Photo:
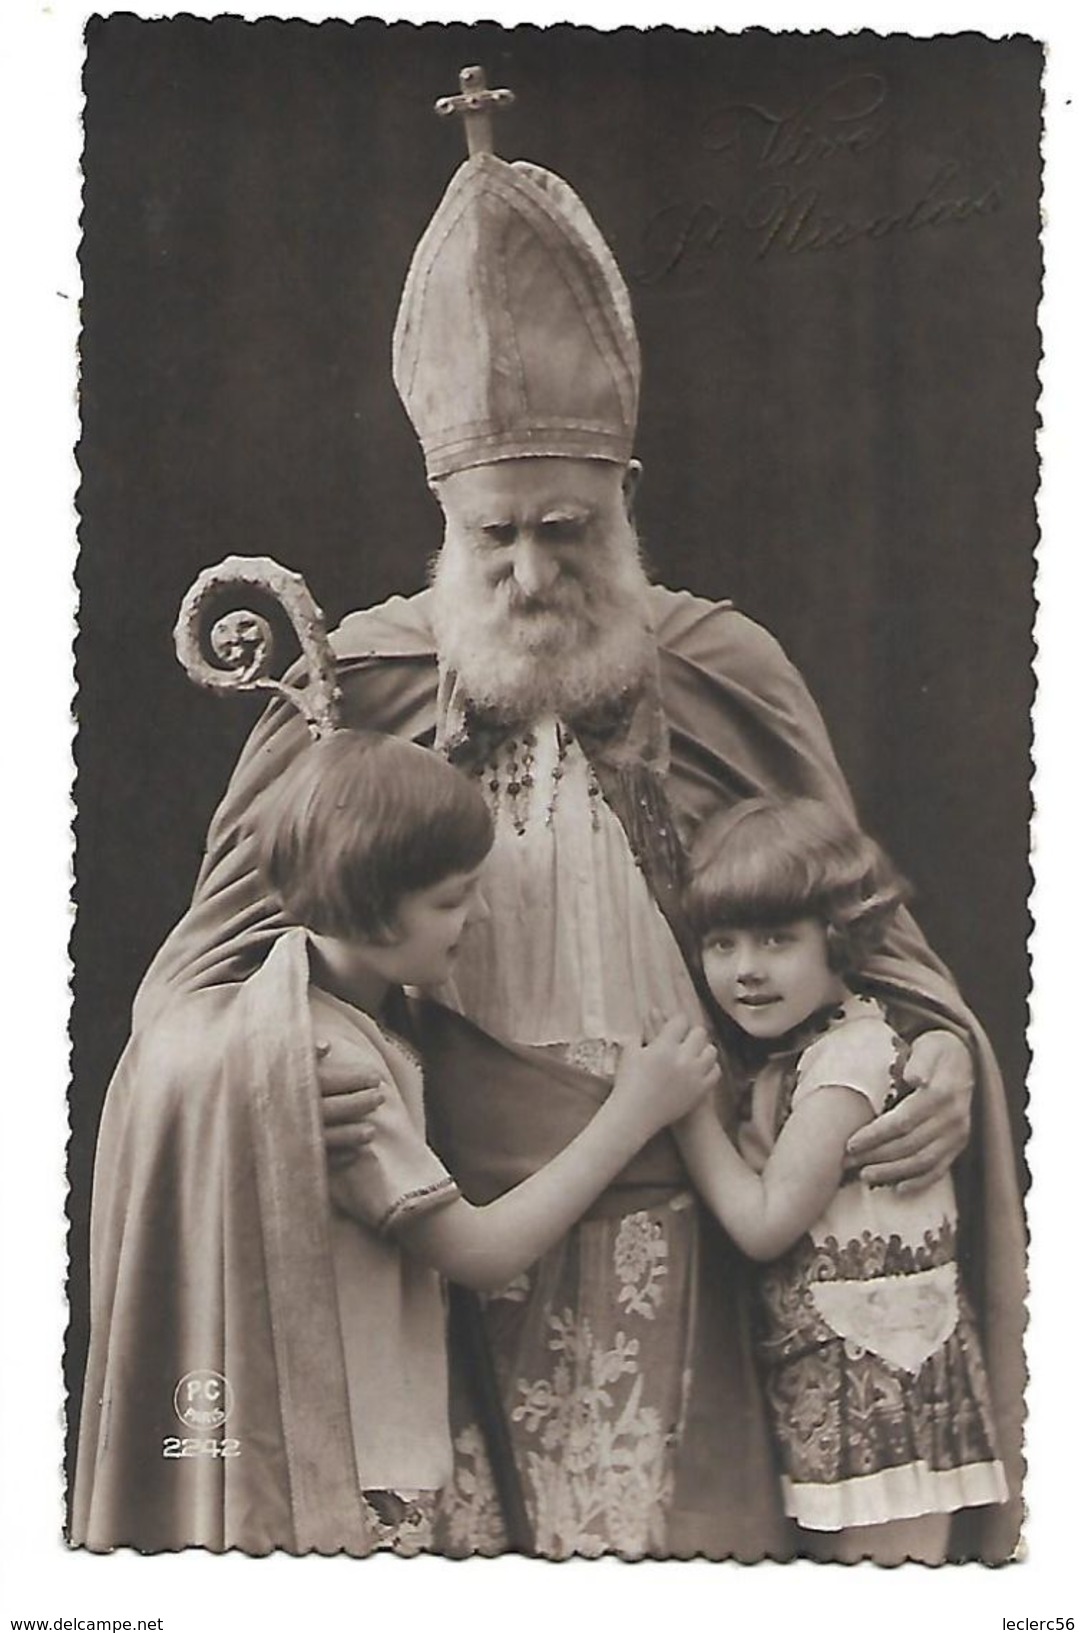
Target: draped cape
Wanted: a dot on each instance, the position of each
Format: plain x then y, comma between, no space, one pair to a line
183,1240
210,1252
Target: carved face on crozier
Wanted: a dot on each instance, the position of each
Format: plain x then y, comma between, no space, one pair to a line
540,597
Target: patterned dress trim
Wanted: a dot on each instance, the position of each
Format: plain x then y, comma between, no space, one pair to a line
421,1200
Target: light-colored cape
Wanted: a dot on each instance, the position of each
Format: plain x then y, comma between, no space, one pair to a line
211,1252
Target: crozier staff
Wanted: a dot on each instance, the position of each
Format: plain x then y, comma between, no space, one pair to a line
603,717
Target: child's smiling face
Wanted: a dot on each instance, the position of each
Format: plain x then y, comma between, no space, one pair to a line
769,978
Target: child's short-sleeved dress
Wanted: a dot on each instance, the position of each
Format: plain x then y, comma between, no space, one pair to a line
391,1305
868,1348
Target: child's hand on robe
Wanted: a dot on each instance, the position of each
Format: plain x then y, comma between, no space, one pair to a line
666,1077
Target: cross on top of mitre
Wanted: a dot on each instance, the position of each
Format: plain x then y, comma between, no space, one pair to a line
475,105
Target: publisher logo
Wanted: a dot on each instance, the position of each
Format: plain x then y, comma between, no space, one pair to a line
203,1399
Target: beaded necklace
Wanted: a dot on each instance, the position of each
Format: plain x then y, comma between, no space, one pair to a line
509,776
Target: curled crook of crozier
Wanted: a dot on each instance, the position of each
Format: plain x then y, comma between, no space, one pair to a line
242,643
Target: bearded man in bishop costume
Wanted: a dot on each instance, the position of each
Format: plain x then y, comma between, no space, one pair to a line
605,718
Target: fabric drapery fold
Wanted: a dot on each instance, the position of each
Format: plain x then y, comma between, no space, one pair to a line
211,1253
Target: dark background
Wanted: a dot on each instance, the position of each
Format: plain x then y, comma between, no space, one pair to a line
835,289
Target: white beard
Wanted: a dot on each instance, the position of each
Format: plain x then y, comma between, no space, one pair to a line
562,660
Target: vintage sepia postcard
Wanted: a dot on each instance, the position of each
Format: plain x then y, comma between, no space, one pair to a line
557,541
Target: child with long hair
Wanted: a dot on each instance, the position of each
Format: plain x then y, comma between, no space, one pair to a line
374,847
868,1350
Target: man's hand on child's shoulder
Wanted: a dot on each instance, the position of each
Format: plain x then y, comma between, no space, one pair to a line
350,1095
917,1142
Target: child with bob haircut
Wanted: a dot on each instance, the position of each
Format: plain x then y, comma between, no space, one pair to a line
867,1347
375,848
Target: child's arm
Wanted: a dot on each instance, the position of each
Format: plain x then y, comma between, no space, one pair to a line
485,1247
765,1213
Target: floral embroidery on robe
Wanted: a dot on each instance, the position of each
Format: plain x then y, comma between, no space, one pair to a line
594,1370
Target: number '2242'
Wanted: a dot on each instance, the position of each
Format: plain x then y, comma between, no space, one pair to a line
173,1446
